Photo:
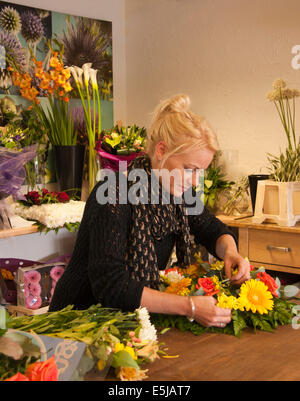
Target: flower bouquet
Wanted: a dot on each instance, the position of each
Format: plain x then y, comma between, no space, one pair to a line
121,340
120,144
50,210
21,358
259,303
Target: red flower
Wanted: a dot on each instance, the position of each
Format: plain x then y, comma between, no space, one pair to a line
269,282
43,371
45,191
18,377
208,286
63,197
33,197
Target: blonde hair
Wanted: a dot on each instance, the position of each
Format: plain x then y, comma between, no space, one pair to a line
179,128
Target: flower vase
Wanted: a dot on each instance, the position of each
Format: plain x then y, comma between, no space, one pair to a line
69,168
35,169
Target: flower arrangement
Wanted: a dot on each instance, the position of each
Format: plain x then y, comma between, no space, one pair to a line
50,210
121,140
38,371
21,128
120,143
260,302
20,356
286,166
124,340
55,85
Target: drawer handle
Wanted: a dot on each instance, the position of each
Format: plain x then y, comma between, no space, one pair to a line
278,248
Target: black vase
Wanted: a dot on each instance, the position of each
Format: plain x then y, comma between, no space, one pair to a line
253,178
69,168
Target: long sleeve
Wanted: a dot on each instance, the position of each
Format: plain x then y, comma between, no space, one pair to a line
110,281
206,229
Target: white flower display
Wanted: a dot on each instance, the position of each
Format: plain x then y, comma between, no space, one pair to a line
52,215
148,331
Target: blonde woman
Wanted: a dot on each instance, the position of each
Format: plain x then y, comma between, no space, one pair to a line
121,246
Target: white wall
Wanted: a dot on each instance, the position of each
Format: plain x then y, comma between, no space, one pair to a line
108,10
225,54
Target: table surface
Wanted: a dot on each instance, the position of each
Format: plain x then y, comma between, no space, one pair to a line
261,356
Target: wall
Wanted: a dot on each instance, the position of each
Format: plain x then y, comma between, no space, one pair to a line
109,10
225,54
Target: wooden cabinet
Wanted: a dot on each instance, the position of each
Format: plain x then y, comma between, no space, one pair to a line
269,245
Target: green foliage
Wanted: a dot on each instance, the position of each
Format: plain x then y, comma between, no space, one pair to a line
123,140
280,315
214,184
286,166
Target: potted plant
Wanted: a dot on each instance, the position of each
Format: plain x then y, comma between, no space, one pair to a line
214,184
120,143
278,199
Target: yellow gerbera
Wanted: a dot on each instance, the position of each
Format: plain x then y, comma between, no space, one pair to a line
228,301
179,288
255,295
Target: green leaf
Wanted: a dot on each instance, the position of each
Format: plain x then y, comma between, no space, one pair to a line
123,358
239,323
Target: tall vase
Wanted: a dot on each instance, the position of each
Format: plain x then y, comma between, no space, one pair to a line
69,168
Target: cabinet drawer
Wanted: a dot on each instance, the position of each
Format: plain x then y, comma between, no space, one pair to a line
274,247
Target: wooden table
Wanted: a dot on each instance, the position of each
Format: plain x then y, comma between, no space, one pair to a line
261,356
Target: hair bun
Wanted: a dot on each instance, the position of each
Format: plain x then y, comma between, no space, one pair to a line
176,104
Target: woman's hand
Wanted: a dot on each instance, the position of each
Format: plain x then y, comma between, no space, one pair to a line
234,260
207,313
226,249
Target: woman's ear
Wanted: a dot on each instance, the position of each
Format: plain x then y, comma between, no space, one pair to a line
160,150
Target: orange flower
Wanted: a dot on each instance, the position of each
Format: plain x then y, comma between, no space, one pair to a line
208,286
66,99
44,84
67,87
39,73
18,377
66,73
43,371
269,282
54,75
55,63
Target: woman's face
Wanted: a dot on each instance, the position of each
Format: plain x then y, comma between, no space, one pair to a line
182,171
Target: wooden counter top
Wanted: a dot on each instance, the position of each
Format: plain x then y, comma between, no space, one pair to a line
235,221
18,231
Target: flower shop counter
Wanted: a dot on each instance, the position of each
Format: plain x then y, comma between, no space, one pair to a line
261,356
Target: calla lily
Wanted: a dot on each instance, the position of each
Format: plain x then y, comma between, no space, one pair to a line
93,77
86,72
79,72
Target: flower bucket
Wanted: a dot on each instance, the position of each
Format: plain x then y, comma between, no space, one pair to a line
111,161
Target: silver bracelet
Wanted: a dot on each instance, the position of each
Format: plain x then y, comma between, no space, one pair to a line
192,318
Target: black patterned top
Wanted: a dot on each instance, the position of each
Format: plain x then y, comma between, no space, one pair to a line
120,249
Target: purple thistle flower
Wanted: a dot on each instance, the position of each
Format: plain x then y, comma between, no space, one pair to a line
32,27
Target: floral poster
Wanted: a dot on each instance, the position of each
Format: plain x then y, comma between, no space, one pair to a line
28,34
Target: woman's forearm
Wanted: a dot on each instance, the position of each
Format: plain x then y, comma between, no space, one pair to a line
161,302
224,244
